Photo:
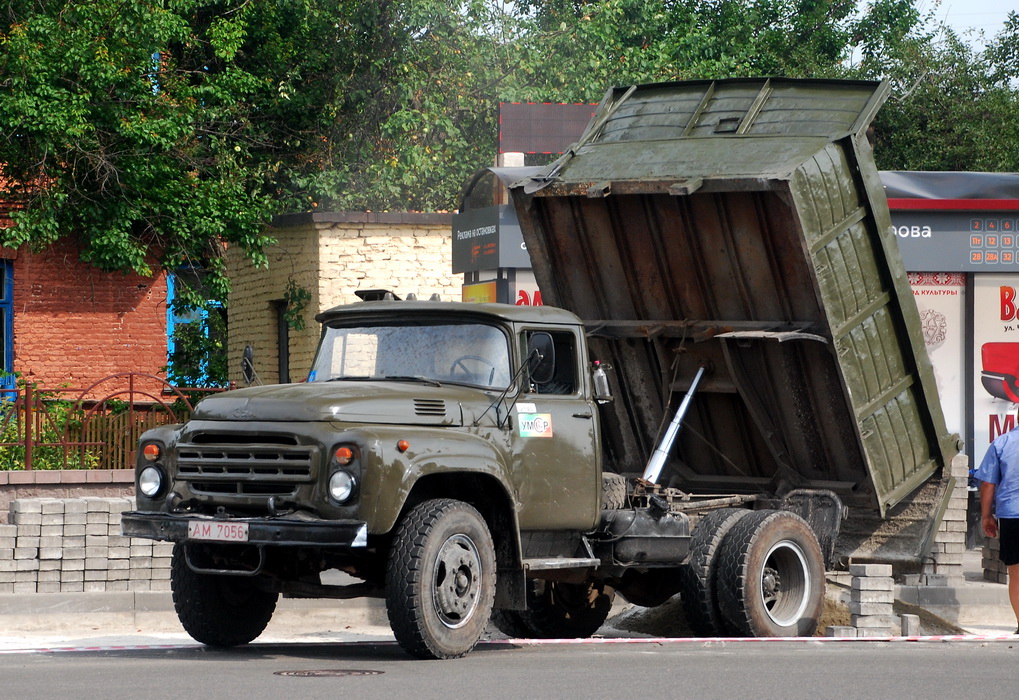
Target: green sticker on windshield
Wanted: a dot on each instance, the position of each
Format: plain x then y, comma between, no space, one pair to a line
535,424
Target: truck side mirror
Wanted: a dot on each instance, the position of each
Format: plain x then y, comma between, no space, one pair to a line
540,358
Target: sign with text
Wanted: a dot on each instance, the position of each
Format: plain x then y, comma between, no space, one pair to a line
972,241
487,239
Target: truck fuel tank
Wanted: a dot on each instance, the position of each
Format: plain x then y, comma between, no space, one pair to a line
644,536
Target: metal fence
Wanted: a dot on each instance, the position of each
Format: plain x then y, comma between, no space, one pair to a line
92,428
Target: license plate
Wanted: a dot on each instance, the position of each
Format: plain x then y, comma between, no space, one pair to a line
217,531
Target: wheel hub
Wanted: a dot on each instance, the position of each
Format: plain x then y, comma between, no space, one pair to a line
457,580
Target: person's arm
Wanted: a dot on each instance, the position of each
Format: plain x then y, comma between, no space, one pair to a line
987,519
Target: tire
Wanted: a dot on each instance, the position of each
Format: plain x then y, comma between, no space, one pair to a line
568,610
771,576
698,578
440,579
219,610
512,623
557,610
613,491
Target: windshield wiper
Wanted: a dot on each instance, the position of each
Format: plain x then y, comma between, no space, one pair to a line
412,377
387,378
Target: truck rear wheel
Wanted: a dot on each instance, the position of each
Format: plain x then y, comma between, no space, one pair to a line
698,578
440,579
771,576
216,609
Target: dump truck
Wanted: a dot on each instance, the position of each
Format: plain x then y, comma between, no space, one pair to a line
726,395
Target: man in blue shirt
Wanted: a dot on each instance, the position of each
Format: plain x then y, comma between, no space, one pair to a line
999,504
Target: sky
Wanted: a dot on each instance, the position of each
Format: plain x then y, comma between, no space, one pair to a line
962,15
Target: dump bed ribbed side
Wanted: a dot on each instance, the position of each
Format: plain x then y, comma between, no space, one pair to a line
741,225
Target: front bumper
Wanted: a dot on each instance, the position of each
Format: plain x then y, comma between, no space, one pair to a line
281,531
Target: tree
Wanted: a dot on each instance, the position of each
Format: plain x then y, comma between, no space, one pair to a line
952,108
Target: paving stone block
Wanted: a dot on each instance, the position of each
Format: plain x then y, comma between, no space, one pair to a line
27,543
48,576
75,519
26,564
7,564
97,541
74,553
26,518
74,505
72,564
119,553
116,586
25,576
52,520
858,608
50,506
139,585
26,553
74,530
50,553
859,596
874,631
72,576
910,625
48,587
49,564
870,621
7,577
7,587
25,587
870,570
873,583
72,587
95,575
95,586
29,530
97,529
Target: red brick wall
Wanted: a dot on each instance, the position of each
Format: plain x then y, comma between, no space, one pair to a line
74,324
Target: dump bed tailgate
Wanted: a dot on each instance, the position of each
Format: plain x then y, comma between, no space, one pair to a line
741,225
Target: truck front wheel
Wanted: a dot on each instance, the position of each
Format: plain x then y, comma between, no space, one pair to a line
219,610
771,576
440,579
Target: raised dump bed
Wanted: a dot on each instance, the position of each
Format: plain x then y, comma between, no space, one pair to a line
741,225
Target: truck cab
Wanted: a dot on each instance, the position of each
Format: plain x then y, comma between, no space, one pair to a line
486,406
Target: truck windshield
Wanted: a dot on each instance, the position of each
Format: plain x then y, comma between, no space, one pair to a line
473,354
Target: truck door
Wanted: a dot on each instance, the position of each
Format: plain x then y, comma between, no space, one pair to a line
557,460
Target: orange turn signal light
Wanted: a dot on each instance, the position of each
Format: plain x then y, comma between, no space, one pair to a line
151,452
403,445
344,456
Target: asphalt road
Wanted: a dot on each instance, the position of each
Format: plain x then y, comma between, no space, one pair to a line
624,669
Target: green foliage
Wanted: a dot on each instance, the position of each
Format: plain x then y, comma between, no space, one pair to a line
297,298
61,420
952,108
156,132
199,357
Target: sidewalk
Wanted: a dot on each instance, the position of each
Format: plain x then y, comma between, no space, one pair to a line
51,620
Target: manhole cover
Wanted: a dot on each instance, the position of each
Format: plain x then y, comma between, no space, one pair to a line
327,672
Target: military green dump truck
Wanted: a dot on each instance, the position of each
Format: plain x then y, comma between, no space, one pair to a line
732,398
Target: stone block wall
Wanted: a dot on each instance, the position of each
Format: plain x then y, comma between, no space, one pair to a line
950,539
54,545
331,255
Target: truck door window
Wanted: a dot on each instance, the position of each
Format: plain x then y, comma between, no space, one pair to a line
564,375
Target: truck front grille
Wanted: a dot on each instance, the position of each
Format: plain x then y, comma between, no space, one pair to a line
228,467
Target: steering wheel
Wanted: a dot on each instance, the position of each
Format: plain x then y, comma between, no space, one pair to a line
460,365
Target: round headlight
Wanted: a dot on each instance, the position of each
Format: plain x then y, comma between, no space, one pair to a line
150,481
341,486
